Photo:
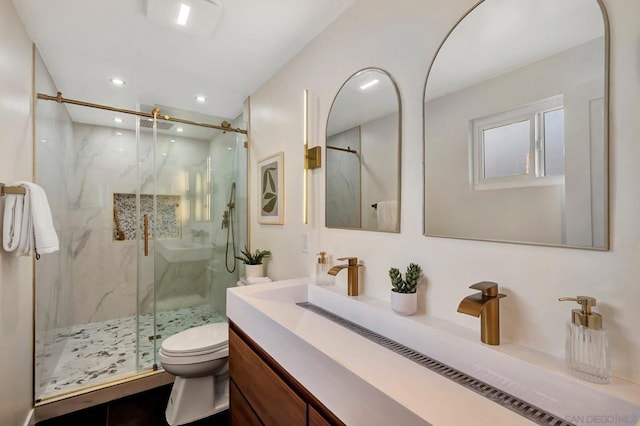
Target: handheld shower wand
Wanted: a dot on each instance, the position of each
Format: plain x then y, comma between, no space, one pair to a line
227,222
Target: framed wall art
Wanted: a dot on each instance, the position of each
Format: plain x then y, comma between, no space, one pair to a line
271,189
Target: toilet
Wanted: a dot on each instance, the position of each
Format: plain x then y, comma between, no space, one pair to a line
199,358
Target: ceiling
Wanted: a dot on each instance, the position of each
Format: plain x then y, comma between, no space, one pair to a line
86,43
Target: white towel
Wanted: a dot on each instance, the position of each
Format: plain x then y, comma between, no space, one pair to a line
387,213
35,227
26,243
12,221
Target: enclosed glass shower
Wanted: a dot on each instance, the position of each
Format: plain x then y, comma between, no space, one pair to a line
148,213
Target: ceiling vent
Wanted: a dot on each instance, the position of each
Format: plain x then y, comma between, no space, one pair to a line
162,125
200,19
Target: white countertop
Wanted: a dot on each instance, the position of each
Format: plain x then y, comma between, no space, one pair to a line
364,383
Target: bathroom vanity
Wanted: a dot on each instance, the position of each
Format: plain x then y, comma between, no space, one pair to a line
259,384
288,360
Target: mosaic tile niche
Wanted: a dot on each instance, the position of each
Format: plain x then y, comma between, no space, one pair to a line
168,207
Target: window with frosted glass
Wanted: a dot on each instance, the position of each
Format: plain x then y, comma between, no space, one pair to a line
520,147
506,149
553,123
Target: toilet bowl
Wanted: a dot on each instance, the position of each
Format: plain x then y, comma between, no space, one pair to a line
199,358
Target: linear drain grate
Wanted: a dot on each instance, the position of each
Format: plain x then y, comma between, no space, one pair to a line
507,400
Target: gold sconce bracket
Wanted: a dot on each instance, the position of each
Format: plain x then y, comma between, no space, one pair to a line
314,157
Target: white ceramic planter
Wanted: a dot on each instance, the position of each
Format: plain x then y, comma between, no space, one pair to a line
253,271
404,303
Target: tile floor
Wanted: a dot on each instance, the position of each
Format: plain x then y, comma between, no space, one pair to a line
143,409
103,351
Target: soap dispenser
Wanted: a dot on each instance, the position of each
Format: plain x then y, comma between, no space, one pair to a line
586,346
322,270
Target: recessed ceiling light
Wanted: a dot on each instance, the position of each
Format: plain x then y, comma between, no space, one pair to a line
229,148
201,98
172,140
184,14
179,130
118,120
117,81
118,133
164,154
43,140
369,84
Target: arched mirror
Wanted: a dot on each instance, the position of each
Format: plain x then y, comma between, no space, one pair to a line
363,154
516,126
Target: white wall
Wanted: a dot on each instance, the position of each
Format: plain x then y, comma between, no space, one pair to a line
402,37
16,151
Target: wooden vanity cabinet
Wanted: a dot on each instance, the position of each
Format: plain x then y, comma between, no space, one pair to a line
264,393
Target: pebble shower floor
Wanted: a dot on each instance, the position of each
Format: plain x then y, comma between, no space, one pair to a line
103,351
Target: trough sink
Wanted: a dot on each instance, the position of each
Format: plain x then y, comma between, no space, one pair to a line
365,383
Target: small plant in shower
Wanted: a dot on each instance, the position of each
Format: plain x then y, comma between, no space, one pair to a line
404,296
253,258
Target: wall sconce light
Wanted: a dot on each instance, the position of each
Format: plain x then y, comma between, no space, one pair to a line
312,158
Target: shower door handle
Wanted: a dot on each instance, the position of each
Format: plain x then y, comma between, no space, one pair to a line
146,235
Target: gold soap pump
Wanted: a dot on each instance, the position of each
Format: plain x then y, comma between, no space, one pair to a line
586,345
322,270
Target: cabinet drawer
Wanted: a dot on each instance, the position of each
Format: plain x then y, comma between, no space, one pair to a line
269,396
241,412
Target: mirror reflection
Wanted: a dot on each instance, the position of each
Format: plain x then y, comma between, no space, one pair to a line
363,154
516,126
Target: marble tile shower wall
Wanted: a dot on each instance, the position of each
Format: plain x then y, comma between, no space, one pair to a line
103,272
177,166
107,166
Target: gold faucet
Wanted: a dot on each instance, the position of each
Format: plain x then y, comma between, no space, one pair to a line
486,305
352,278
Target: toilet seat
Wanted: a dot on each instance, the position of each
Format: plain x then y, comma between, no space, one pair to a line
197,341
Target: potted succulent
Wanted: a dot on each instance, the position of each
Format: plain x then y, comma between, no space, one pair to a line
404,298
253,261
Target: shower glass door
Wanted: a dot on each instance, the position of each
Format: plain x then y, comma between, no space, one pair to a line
145,214
198,188
86,307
